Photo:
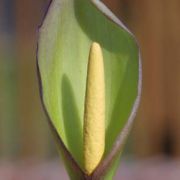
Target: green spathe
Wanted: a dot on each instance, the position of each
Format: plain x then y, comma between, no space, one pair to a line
66,35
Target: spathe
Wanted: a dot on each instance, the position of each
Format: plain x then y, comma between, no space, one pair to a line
66,34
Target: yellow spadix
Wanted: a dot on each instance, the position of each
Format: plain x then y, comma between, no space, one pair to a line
94,113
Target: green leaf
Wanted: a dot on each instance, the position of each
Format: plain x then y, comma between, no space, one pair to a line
66,34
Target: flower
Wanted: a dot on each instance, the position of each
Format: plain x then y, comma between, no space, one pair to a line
65,38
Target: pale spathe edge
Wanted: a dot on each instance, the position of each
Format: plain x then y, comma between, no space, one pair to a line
109,14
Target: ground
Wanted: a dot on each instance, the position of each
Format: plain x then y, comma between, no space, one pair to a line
154,169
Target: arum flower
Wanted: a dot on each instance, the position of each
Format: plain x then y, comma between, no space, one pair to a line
90,81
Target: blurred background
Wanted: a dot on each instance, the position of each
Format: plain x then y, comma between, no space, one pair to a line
24,134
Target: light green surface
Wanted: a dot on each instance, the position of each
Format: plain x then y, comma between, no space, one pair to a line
65,38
